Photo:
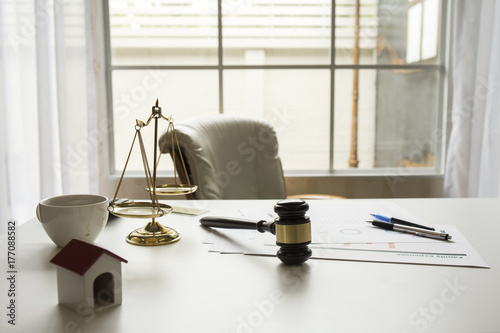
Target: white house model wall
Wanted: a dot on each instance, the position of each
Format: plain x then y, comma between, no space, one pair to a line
88,277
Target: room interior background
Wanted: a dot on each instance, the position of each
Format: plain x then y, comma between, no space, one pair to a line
53,123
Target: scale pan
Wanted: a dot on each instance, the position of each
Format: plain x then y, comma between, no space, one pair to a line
139,209
175,189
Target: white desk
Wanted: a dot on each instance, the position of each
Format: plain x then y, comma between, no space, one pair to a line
183,288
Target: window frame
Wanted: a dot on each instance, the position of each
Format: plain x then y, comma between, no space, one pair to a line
114,171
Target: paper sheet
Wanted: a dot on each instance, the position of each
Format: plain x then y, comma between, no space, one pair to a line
339,231
188,211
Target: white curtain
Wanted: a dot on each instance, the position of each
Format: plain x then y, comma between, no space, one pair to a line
47,101
473,159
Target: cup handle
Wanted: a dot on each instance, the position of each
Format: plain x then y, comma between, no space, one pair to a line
38,212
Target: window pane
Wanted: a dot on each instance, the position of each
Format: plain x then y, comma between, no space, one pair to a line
282,32
344,115
345,27
390,31
397,118
430,29
295,102
414,33
181,93
163,32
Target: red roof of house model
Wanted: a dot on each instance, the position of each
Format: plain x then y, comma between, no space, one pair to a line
78,256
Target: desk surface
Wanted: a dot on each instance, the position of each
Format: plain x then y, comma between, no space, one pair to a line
182,287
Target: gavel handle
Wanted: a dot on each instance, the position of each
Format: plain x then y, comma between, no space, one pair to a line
237,223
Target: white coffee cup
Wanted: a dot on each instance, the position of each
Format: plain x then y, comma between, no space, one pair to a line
80,216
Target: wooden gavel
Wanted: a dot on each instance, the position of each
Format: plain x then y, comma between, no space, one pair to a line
292,229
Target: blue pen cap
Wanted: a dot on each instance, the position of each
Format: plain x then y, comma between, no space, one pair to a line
381,217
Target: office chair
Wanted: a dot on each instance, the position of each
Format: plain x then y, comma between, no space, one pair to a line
229,157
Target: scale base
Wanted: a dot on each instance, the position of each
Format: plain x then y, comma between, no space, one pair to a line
153,234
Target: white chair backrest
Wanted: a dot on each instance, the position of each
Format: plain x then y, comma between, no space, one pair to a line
231,157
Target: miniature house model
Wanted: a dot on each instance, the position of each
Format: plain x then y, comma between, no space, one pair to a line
88,277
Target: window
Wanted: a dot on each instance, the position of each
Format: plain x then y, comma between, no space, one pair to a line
343,82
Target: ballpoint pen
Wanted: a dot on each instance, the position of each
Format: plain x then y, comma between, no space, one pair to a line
395,220
411,230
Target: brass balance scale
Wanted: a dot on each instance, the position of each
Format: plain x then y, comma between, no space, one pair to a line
153,233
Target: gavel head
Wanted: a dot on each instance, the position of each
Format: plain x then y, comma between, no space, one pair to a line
293,231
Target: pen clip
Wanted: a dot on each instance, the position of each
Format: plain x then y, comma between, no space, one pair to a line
411,224
395,220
